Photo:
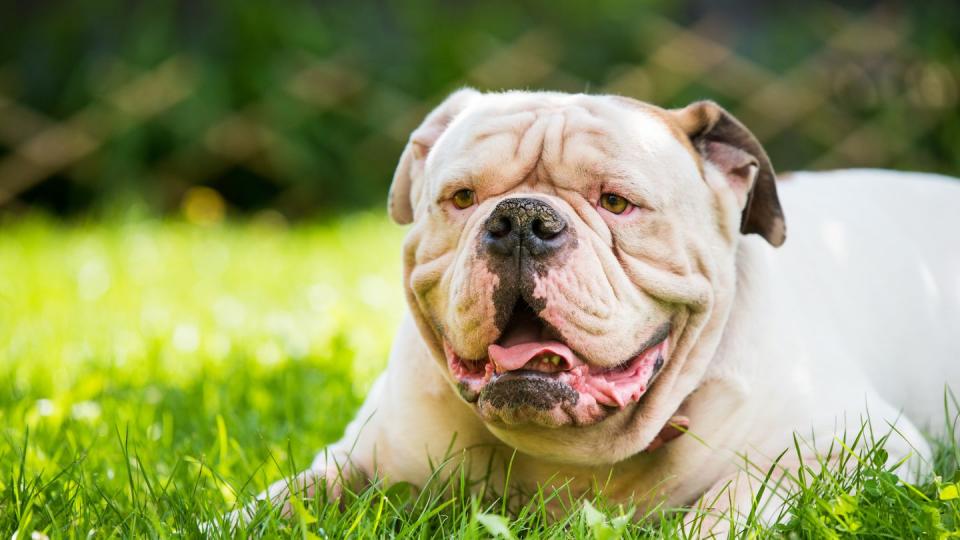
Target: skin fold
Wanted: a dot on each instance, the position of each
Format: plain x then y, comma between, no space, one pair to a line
759,342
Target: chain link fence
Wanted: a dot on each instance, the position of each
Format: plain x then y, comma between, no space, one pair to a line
310,119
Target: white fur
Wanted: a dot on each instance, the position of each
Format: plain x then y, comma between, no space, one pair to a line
857,314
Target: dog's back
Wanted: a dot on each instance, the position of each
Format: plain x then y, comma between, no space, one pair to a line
873,261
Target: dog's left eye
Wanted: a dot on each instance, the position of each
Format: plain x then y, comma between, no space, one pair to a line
611,202
465,198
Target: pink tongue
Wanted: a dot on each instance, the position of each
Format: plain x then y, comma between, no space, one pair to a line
516,356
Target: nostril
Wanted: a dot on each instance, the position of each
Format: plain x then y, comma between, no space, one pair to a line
547,229
498,228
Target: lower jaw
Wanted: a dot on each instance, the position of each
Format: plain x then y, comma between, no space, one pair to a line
533,398
578,414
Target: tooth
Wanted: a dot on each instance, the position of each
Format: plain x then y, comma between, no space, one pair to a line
555,359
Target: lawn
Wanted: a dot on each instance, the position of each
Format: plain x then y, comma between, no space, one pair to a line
155,373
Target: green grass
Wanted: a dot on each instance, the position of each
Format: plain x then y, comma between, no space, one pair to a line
155,374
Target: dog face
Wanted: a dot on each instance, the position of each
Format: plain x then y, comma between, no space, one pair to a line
571,259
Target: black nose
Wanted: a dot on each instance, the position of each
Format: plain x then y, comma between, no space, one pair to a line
528,223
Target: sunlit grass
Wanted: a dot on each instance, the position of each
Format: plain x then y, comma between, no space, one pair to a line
209,351
155,374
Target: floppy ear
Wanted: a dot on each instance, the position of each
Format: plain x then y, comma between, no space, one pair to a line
723,141
404,192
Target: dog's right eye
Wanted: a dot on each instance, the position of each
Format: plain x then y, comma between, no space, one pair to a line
465,198
613,203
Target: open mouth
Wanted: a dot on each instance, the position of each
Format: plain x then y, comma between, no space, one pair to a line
528,347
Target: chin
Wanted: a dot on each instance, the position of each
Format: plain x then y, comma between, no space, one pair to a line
530,376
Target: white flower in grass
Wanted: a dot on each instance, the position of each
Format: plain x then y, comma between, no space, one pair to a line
321,297
218,346
269,354
297,344
93,280
85,410
152,395
374,291
35,535
45,407
154,318
229,312
186,338
155,431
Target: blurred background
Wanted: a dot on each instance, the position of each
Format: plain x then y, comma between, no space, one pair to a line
293,110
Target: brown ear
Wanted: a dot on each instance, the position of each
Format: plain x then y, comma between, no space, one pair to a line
404,192
723,141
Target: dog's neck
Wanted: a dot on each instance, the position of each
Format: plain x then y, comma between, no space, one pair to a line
673,429
736,360
750,315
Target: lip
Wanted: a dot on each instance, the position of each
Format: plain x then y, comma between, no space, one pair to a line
612,387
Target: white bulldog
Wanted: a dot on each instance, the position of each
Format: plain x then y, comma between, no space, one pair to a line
589,277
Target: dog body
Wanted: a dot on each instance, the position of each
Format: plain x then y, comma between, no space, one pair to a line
871,282
581,294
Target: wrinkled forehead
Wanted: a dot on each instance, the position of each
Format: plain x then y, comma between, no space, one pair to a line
506,138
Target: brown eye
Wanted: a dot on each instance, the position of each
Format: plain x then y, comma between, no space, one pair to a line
614,203
464,198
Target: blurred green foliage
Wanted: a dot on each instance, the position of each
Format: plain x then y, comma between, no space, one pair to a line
303,107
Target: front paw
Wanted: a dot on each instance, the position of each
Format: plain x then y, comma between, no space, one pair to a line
286,496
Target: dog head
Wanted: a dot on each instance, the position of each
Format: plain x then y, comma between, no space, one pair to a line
572,258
